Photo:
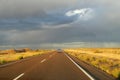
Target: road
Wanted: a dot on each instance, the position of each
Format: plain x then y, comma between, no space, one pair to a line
52,66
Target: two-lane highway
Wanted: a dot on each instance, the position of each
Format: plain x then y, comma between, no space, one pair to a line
51,66
9,72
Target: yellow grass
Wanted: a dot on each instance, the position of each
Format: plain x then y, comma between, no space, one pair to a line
104,52
17,56
106,59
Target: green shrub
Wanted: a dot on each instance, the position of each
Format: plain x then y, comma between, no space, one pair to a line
119,76
97,51
20,57
95,63
104,60
116,73
2,61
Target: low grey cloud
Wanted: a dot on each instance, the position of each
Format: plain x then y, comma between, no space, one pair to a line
35,22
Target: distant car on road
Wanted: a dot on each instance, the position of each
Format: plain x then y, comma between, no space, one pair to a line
59,50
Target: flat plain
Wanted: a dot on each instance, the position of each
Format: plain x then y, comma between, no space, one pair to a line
106,59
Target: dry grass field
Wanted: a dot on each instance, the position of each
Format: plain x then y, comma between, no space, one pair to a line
13,55
106,59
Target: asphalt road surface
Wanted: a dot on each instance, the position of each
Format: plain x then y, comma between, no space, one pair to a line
52,66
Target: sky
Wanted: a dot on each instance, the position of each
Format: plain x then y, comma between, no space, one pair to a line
59,23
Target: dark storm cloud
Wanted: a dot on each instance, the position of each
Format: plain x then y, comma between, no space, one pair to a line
35,22
26,8
39,22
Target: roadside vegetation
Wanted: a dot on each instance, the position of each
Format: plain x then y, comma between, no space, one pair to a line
13,55
106,59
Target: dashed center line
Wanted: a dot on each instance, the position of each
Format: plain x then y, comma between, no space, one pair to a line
43,60
18,76
51,55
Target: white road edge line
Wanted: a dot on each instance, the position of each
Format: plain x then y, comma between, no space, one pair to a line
81,68
18,76
43,60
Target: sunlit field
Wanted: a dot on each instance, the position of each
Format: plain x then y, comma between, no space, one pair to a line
106,59
13,55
